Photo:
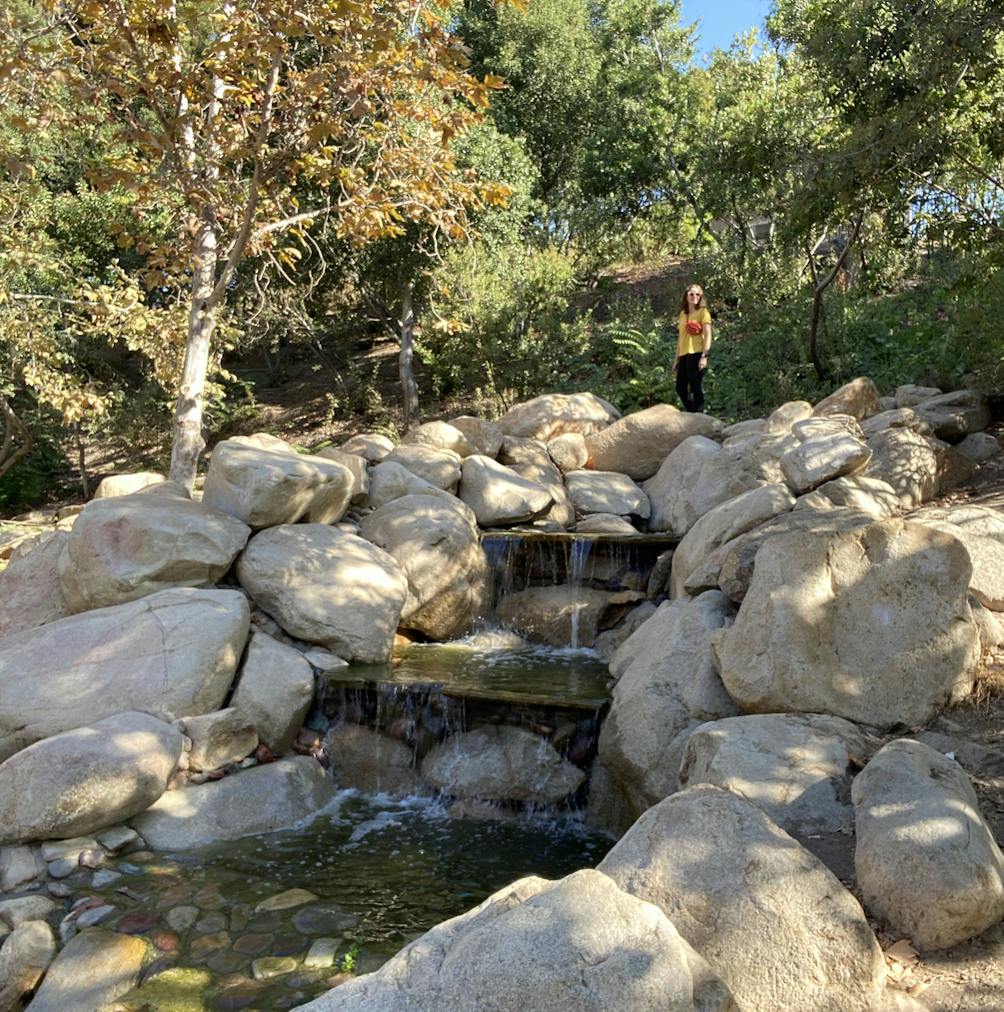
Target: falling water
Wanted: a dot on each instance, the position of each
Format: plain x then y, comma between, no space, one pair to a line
578,554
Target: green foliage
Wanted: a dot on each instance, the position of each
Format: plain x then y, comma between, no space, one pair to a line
350,957
38,475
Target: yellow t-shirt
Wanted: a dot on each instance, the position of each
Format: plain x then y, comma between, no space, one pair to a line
688,343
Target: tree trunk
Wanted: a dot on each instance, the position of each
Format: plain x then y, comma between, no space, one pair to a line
13,427
188,442
406,361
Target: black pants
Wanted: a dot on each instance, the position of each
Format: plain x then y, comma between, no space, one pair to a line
688,382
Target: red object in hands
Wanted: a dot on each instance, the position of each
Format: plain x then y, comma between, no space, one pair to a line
693,327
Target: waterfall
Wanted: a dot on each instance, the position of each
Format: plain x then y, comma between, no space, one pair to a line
578,554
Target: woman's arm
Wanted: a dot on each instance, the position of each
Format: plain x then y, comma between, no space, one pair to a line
706,347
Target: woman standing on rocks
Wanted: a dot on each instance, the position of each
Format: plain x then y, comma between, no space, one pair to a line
692,346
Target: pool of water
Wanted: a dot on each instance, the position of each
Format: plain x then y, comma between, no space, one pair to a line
382,871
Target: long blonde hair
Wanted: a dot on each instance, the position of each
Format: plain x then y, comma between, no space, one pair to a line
684,306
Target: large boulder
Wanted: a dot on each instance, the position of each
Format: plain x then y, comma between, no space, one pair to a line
981,531
700,475
390,480
126,484
796,768
358,468
725,522
175,651
31,593
568,452
925,860
438,466
83,780
275,691
873,625
637,444
25,956
371,446
441,436
265,482
563,615
552,415
606,492
529,458
370,761
909,462
859,398
324,586
823,458
262,799
909,395
897,418
782,418
498,495
667,682
953,415
95,967
436,543
484,436
225,736
501,763
871,496
126,547
576,945
771,919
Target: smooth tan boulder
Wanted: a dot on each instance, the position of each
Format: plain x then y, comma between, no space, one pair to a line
25,956
872,496
552,415
261,799
823,458
580,945
953,415
637,444
83,780
370,761
530,460
782,418
93,969
897,418
127,547
562,615
484,436
859,398
437,465
175,651
326,587
569,452
357,466
770,918
666,681
925,859
275,690
501,763
390,480
31,593
606,492
226,736
437,545
873,625
909,395
126,484
441,436
909,462
372,446
498,495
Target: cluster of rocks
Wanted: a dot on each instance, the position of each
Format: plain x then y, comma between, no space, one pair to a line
159,653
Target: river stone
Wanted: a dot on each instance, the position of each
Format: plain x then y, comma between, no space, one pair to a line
606,523
859,398
794,767
909,462
262,482
561,616
782,418
606,492
770,918
286,900
484,436
439,435
390,480
326,587
732,565
337,488
576,945
898,418
372,446
873,625
568,452
31,594
23,909
552,415
827,425
498,495
18,866
530,460
439,467
127,547
724,523
371,762
700,475
981,531
82,780
669,682
637,444
871,496
174,651
909,395
226,736
978,447
818,460
991,625
126,484
501,764
261,799
953,415
25,956
357,467
94,968
437,545
275,690
925,860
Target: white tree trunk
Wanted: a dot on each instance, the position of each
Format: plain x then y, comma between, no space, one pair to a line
188,441
406,361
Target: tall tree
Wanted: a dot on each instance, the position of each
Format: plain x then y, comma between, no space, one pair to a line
222,113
